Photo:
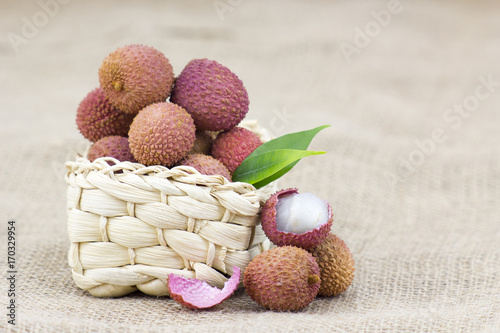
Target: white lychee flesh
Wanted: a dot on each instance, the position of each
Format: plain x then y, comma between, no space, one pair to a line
300,212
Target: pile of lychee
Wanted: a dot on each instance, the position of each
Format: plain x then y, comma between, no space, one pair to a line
142,113
308,261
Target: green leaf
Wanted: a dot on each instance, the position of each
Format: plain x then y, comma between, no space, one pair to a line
277,175
268,166
297,140
255,171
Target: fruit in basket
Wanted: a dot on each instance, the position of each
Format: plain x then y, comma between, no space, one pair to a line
196,294
336,265
161,134
111,146
206,165
202,143
213,95
284,278
300,219
135,76
233,146
97,118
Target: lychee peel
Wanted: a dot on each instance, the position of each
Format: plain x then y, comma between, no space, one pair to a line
135,76
213,95
284,278
196,294
306,240
97,118
161,134
111,146
233,146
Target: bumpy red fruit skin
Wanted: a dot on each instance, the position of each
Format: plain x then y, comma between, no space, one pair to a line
284,278
202,143
135,76
161,134
111,146
306,240
213,95
97,118
233,146
206,165
336,265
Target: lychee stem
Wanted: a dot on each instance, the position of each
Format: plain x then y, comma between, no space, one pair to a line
117,85
312,279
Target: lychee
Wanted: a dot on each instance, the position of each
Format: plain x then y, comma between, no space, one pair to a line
283,278
111,146
336,265
298,219
202,143
206,165
161,134
233,146
97,118
135,76
213,95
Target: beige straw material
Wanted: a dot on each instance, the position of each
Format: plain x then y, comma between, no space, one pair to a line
130,226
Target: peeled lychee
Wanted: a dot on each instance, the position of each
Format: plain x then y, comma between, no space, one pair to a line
291,218
96,118
196,294
213,95
161,134
336,264
135,76
111,146
233,146
206,165
283,278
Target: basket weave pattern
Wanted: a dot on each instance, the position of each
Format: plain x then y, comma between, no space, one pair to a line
130,226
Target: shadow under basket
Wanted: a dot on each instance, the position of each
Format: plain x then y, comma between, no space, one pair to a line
130,226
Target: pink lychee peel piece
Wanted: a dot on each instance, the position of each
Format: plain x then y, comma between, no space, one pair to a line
197,294
307,240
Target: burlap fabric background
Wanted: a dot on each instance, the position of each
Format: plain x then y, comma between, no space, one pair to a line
421,217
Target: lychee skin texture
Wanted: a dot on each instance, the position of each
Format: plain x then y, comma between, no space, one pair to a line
336,264
305,240
283,279
213,95
233,146
202,143
135,76
161,134
97,118
206,165
111,146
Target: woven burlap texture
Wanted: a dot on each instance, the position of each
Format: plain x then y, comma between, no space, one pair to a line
421,218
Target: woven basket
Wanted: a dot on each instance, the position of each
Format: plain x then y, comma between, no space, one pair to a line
130,226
